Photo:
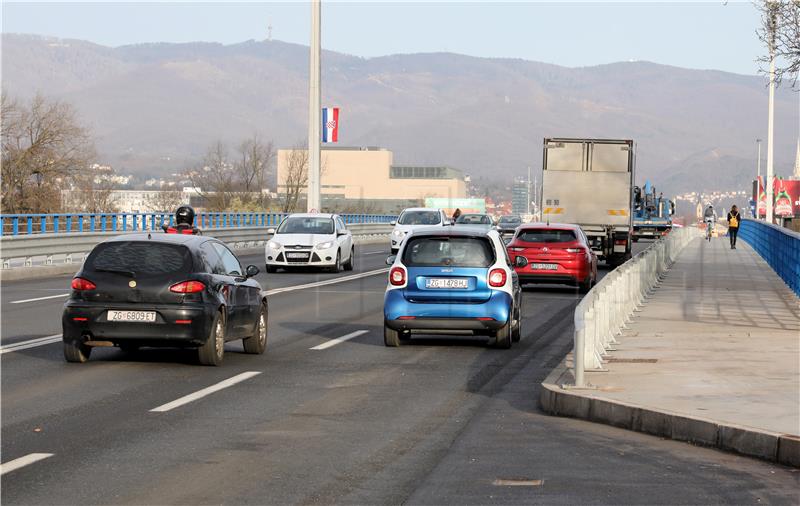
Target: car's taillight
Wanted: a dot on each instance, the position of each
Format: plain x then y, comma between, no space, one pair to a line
187,287
397,276
575,250
517,249
497,277
81,284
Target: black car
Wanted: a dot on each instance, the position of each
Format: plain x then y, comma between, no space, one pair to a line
508,224
164,290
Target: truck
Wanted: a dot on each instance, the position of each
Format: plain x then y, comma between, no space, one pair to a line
589,182
652,215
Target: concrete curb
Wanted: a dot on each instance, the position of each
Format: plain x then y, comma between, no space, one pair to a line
49,271
585,404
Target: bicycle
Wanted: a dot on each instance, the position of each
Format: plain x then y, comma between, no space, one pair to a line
709,229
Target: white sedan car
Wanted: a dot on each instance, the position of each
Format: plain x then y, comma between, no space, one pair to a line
310,240
414,218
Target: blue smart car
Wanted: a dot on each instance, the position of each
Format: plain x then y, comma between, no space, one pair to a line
453,281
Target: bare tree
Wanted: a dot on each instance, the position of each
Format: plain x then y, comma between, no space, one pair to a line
214,179
294,179
165,200
252,167
43,147
780,33
93,192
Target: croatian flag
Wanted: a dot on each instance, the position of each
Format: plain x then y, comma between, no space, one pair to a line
330,124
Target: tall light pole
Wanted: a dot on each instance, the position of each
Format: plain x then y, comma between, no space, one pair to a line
758,176
314,111
772,23
528,207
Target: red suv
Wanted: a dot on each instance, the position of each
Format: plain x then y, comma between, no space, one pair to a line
556,253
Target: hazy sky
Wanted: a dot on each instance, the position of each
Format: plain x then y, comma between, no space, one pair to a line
705,35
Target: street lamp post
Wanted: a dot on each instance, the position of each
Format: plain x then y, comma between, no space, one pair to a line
771,115
314,111
758,176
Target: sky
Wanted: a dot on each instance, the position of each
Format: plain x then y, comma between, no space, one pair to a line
702,35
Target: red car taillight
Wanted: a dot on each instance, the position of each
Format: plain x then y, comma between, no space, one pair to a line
497,278
575,250
187,287
81,284
397,276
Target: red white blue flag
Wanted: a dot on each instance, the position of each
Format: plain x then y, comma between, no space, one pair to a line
330,124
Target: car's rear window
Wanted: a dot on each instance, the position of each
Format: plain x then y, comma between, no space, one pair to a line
474,219
420,218
140,258
448,251
546,235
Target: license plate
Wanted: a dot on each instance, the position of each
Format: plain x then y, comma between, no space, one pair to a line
544,267
446,283
296,255
132,316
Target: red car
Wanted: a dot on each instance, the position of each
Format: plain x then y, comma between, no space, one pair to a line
556,252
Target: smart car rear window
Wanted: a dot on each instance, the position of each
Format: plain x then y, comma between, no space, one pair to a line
448,252
546,235
140,258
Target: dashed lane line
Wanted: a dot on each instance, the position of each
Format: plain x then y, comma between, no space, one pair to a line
39,298
334,342
29,459
186,399
31,343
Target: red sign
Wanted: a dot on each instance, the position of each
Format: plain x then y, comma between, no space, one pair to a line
787,198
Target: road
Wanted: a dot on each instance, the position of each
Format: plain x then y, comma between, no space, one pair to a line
440,421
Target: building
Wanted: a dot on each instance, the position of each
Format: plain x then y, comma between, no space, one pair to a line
134,201
368,175
520,196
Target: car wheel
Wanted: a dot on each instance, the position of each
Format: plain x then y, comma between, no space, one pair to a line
391,337
76,351
351,261
337,267
586,284
503,338
516,331
271,269
257,343
213,350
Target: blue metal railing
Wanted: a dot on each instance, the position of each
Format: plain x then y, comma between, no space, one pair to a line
780,248
30,224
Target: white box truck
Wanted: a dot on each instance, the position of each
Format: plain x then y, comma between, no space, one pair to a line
589,182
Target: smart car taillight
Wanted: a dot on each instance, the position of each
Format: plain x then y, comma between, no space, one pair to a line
497,278
81,284
397,276
187,287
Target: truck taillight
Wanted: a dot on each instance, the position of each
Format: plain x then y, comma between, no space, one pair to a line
620,242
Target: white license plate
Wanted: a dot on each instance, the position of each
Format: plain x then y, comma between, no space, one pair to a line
544,267
132,316
296,255
460,284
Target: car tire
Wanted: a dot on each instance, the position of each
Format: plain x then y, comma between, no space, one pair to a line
350,264
391,337
516,331
271,269
586,284
213,350
75,351
257,343
337,267
502,339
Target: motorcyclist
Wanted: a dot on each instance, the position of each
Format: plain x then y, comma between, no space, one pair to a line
184,222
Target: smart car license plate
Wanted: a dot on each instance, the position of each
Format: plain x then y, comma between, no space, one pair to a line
544,267
132,316
445,283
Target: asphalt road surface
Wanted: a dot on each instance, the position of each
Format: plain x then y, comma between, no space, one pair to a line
330,415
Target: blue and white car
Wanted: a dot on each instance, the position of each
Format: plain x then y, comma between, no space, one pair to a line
456,281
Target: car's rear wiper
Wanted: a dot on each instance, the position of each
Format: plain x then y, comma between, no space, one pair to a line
130,274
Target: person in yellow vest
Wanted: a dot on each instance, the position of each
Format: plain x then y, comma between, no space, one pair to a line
733,225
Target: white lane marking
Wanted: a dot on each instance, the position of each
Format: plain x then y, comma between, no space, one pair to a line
334,342
39,298
31,343
326,282
375,253
186,399
22,462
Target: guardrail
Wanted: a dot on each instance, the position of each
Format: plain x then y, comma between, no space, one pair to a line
609,305
30,224
780,247
48,246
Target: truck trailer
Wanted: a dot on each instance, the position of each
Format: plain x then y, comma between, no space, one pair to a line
589,182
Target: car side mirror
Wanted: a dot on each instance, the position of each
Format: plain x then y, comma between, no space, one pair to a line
393,222
271,231
341,233
390,259
251,271
520,261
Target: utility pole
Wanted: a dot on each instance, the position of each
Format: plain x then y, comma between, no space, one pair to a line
773,21
314,111
528,208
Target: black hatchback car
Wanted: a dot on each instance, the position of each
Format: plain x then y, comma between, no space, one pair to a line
164,290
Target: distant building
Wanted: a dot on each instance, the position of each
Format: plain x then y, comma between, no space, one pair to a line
520,195
367,175
136,201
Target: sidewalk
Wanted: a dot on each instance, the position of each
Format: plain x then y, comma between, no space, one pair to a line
713,357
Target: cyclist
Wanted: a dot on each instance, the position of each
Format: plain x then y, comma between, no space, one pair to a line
709,217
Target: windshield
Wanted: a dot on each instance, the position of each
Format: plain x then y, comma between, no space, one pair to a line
511,220
305,225
419,218
474,219
448,251
140,258
546,235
